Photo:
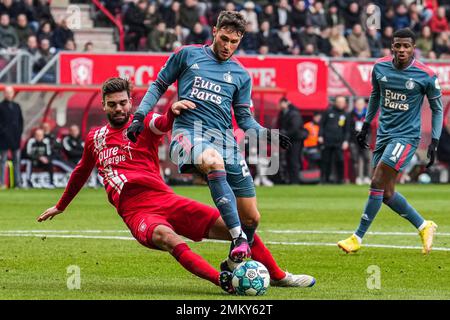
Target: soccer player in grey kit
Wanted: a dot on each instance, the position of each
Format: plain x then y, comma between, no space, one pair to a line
212,80
399,87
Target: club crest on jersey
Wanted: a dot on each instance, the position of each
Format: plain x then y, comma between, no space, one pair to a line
410,84
124,135
228,77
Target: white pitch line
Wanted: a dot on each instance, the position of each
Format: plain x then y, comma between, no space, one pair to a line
375,233
321,244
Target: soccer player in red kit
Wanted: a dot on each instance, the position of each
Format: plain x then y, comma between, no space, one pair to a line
155,215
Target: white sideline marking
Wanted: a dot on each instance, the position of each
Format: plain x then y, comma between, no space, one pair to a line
375,233
444,234
322,244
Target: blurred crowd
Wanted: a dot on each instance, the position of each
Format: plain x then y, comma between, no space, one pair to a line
336,28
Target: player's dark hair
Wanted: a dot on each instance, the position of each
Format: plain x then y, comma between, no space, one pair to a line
113,85
404,33
232,20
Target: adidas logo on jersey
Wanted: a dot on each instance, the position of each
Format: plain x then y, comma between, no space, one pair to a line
393,159
195,67
384,79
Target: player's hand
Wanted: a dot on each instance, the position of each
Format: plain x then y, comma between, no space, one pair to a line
136,127
432,149
361,136
181,105
284,140
49,214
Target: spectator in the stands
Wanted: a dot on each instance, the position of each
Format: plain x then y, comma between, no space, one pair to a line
11,8
324,46
307,36
386,37
62,34
42,11
152,17
333,17
54,142
198,35
160,39
268,15
8,34
286,39
339,43
401,19
351,16
269,38
189,14
250,16
375,45
70,45
38,150
134,21
317,16
73,145
442,45
299,16
88,47
250,42
438,22
171,15
425,42
45,32
22,29
11,129
282,12
358,43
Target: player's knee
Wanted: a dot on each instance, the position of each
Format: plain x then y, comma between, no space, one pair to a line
164,238
388,194
251,219
377,183
211,160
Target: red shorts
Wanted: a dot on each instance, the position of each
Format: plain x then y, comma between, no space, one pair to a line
143,210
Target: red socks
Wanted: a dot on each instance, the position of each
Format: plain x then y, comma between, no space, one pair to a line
195,264
262,254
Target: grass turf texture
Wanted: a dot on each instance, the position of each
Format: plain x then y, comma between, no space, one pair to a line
35,267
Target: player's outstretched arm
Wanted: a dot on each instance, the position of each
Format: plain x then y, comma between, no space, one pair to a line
168,75
49,214
246,121
161,124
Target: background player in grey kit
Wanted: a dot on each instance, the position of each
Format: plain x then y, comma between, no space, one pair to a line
210,78
399,86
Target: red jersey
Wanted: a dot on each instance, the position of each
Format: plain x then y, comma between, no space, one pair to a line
120,161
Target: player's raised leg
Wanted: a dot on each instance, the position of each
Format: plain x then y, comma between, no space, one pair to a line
166,239
211,163
261,253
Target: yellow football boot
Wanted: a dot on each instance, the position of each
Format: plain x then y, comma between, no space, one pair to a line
426,235
350,244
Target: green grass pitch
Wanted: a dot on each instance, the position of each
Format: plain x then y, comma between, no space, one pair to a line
300,225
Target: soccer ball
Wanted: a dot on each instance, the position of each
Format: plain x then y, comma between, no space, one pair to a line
424,178
250,278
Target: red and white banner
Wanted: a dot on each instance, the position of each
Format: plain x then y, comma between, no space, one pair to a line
305,80
358,74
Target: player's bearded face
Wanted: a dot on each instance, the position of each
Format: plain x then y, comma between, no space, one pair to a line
118,108
403,49
225,43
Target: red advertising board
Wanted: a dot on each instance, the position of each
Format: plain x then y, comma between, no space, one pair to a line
304,79
358,74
